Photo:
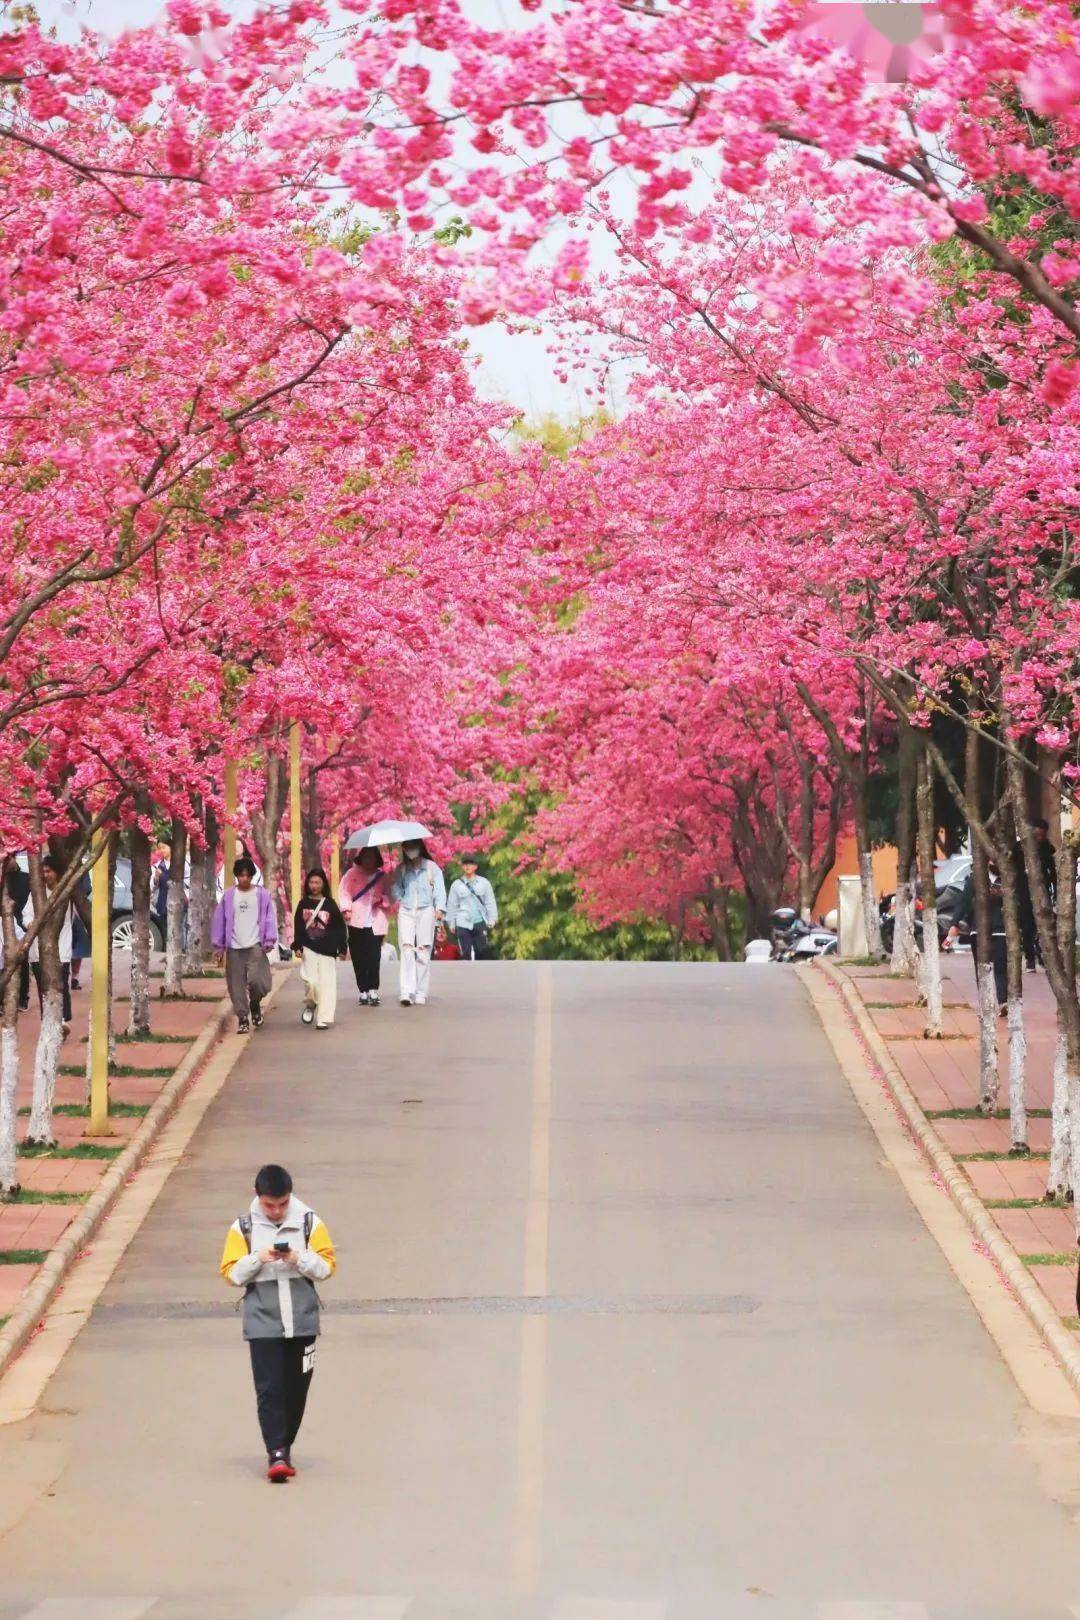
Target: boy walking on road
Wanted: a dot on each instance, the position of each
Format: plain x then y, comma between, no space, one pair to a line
471,911
276,1253
244,929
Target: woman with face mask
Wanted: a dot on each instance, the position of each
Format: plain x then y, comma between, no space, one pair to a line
420,893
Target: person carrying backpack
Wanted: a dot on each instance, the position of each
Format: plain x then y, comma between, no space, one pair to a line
276,1253
471,911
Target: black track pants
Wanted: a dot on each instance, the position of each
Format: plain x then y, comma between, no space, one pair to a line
282,1371
365,948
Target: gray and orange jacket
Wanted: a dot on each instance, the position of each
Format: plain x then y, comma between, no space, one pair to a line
279,1302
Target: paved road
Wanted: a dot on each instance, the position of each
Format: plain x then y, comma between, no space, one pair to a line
631,1324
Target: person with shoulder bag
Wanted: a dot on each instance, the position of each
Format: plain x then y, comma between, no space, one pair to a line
420,892
319,940
364,898
471,911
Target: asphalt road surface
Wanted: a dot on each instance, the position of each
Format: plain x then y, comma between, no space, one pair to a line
631,1323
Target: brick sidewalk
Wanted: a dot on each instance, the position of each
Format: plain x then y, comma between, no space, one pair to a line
57,1183
943,1075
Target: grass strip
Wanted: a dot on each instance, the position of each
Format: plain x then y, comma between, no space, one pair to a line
1054,1259
81,1110
78,1150
1006,1158
30,1195
23,1257
977,1113
150,1036
121,1071
1017,1203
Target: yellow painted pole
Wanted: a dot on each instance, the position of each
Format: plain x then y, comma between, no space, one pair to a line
335,863
295,817
100,946
229,836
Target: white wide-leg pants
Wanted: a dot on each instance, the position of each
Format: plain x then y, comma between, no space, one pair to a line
319,974
416,935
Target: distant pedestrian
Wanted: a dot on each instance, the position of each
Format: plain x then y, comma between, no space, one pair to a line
80,934
51,874
471,911
18,886
420,893
276,1253
244,929
319,940
364,898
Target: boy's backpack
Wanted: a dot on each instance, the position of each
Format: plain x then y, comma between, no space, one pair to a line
244,1223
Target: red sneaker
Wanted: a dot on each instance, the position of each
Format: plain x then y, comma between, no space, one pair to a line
279,1468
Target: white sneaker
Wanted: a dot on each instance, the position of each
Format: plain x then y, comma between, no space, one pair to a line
373,998
307,1015
364,998
421,1001
322,1026
406,1001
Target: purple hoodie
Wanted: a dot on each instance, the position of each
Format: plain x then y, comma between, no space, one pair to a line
221,931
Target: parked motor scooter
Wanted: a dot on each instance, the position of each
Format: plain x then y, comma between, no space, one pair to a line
796,940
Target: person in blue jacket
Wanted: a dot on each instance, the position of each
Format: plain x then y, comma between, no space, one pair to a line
471,911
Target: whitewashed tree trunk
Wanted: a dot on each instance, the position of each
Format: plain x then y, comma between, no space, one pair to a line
905,952
9,1059
1059,1175
46,1062
9,1079
1018,1141
871,914
930,973
173,982
200,909
989,1081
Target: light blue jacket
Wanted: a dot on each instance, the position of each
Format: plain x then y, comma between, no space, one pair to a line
419,887
471,902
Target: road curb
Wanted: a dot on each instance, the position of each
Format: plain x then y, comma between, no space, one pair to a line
1040,1312
27,1317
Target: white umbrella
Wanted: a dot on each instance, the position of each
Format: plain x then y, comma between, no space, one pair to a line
387,832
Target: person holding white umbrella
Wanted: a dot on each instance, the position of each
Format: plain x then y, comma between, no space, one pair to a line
420,893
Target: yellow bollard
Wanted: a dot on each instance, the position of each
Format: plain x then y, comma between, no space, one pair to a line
100,947
229,835
296,832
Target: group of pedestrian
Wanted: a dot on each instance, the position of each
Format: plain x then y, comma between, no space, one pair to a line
352,926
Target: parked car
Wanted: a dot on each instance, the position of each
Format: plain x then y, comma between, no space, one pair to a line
123,924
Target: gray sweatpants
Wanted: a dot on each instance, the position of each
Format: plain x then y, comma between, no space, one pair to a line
247,976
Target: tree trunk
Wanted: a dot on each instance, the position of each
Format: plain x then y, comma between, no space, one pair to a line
1014,1002
720,920
311,854
1059,1183
871,914
51,1036
905,951
927,838
265,827
139,1012
1060,964
173,983
1059,1172
201,902
9,1057
989,1079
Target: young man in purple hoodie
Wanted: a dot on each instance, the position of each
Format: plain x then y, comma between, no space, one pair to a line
245,928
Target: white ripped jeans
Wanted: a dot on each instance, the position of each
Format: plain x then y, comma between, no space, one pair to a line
416,935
